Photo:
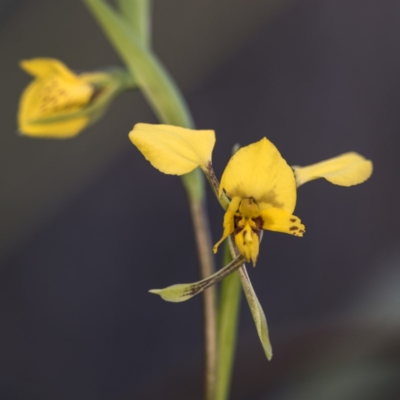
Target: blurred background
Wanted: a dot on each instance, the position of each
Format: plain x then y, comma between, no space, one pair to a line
83,221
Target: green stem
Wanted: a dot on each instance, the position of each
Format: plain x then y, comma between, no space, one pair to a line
214,183
168,104
155,82
228,316
137,13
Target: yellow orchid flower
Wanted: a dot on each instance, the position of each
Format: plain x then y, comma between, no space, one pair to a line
263,191
59,103
260,184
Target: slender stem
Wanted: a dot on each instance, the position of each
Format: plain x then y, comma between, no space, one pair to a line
214,183
137,12
207,268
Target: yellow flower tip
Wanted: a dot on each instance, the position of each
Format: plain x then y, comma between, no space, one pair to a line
278,220
173,150
42,67
155,291
348,169
296,228
24,64
300,230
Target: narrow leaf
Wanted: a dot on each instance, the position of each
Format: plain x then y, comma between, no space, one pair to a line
257,312
137,13
185,291
154,80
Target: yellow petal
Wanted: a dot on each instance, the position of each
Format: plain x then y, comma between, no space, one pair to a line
173,150
43,67
345,170
229,224
58,130
260,172
35,104
55,93
278,220
52,96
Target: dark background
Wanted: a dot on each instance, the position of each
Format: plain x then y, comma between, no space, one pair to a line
88,226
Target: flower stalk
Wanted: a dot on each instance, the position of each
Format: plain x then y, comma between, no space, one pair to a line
137,13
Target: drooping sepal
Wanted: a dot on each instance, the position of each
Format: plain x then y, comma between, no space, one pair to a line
256,311
185,291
